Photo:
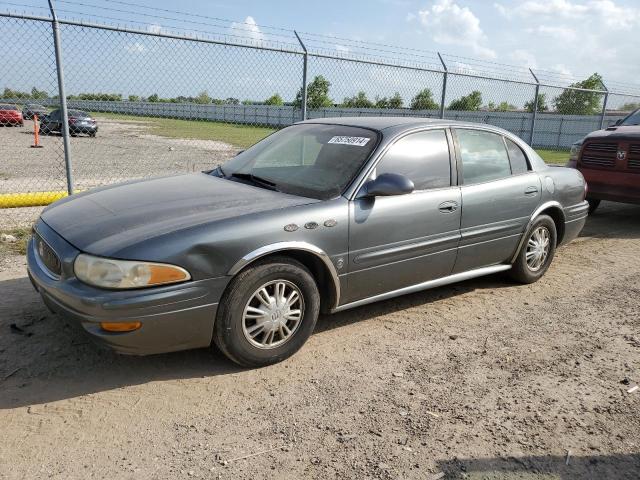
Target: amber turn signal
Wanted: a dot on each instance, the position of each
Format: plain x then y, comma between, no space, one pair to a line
120,326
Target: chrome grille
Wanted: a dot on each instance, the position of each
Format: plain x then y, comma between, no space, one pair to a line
599,154
602,147
591,160
634,156
47,255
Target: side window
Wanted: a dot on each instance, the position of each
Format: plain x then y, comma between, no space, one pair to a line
484,156
422,157
517,157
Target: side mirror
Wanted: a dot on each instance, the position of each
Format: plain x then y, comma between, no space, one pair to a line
387,185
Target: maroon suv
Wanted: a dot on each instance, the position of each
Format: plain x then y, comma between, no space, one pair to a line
609,159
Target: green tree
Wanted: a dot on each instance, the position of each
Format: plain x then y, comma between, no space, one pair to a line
134,98
203,97
505,107
231,101
381,102
470,102
396,101
359,100
424,101
542,104
274,99
577,102
153,98
629,106
38,94
317,94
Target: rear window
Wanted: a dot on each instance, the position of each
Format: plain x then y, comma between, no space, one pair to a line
8,107
77,113
517,157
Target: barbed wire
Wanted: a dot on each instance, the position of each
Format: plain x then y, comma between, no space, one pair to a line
346,48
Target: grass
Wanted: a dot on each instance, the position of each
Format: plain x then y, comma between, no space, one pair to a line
559,157
243,136
19,247
240,136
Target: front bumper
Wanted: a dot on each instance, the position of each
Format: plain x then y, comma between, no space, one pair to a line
612,185
176,317
88,129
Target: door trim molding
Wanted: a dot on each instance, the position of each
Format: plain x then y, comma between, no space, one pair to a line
438,282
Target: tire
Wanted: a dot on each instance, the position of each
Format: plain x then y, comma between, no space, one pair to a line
530,272
594,203
235,335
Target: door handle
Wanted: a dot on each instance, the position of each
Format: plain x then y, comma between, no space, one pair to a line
448,207
531,191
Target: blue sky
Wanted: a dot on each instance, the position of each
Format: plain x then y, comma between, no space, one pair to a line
574,37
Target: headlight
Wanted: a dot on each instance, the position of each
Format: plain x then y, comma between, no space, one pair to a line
575,150
121,274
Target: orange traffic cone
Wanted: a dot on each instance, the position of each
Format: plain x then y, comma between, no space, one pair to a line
36,133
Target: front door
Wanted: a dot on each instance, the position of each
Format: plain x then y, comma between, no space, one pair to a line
403,240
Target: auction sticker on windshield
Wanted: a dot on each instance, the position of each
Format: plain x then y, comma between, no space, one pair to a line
357,141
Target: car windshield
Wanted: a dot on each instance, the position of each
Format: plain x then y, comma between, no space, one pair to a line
8,107
311,160
34,106
633,119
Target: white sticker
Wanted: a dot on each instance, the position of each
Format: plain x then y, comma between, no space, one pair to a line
357,141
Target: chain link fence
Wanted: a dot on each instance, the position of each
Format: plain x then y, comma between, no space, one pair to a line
148,102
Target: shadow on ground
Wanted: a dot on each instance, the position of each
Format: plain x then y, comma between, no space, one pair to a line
52,359
551,467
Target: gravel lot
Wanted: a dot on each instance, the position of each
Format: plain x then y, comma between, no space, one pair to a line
121,146
481,380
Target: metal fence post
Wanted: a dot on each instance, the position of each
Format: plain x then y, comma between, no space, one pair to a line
304,77
604,105
444,85
535,108
63,98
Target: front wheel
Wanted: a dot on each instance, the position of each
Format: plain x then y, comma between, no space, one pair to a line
267,313
594,203
537,252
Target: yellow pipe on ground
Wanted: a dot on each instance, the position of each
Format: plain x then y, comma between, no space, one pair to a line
29,199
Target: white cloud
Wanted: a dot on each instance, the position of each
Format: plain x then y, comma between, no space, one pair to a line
249,28
561,32
523,58
135,48
450,24
575,37
606,11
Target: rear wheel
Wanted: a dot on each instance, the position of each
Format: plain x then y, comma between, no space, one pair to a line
537,252
594,203
267,313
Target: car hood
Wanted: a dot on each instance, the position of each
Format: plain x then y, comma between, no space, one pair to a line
110,218
622,133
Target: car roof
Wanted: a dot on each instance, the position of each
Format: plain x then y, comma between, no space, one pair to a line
380,123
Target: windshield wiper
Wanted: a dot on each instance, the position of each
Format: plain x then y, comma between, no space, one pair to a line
260,182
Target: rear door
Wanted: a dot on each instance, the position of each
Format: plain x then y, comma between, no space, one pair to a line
403,240
499,194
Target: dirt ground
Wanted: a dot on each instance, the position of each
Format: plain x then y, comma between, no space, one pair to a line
121,146
481,380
